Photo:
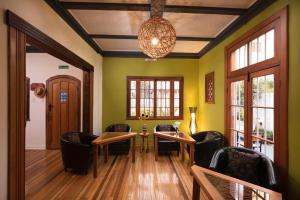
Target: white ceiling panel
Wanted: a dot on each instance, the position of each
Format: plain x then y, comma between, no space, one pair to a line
213,3
110,22
132,45
128,22
189,46
110,1
118,44
199,25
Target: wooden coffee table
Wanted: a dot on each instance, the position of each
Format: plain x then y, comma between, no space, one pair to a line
217,186
180,137
111,137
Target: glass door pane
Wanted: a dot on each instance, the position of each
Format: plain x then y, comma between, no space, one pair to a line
237,117
263,114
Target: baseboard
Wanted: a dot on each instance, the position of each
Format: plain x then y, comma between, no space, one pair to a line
35,147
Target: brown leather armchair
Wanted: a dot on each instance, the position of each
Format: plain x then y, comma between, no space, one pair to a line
245,164
207,143
121,147
77,151
164,145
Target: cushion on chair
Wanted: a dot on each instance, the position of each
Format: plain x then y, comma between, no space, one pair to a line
243,165
165,145
209,136
120,128
165,127
121,147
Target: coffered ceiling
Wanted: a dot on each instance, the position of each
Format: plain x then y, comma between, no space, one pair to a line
111,26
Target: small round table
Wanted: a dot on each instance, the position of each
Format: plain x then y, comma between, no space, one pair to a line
144,136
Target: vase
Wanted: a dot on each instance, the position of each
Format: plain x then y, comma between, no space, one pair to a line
144,128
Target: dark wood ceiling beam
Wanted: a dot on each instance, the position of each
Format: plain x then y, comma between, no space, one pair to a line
135,37
33,49
147,7
134,54
205,10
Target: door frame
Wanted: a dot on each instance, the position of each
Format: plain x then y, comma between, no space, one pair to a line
47,103
20,32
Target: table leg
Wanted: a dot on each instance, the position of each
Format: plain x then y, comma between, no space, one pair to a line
105,153
192,147
196,190
133,149
147,145
154,142
99,150
143,147
182,151
95,160
156,146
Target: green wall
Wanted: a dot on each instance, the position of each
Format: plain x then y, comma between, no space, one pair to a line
115,71
211,116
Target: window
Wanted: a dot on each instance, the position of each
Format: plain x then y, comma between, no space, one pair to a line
256,90
260,49
159,97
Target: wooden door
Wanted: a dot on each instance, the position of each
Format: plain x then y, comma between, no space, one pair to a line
63,108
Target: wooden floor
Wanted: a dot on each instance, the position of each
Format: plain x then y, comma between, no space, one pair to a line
119,178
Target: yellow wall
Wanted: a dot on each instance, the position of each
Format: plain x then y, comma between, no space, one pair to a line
115,71
38,13
212,116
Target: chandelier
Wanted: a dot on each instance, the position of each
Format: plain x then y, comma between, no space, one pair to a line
157,36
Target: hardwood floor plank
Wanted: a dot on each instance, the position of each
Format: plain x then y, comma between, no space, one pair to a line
119,178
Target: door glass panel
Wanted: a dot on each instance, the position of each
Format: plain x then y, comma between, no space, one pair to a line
263,115
237,112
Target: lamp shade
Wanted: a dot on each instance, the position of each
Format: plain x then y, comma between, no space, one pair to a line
157,37
193,123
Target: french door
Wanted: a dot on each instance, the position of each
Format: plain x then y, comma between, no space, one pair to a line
254,111
256,77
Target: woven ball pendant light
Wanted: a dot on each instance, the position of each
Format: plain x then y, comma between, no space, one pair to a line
157,37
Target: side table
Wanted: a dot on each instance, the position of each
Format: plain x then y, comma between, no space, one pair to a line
144,137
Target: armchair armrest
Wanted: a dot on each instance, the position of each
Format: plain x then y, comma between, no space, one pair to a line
219,161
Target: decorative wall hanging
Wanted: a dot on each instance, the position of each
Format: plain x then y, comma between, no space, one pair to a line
35,85
210,88
157,36
39,89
